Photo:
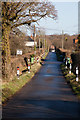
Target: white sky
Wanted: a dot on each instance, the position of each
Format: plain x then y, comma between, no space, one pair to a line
62,0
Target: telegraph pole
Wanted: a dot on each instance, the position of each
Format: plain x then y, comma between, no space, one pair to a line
44,42
34,35
39,39
62,39
39,43
34,40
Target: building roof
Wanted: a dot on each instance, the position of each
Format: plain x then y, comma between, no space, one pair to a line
30,39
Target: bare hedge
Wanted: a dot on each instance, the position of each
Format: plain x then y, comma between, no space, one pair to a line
75,61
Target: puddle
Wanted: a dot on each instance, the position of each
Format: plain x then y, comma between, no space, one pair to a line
48,75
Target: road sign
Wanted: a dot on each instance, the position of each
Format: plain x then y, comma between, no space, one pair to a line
19,52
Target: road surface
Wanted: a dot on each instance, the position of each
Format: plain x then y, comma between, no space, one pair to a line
47,95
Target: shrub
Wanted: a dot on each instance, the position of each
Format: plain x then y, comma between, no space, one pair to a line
32,55
75,61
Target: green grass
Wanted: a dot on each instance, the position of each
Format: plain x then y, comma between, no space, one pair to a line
10,88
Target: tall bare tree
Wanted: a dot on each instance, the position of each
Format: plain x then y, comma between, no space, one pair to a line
15,14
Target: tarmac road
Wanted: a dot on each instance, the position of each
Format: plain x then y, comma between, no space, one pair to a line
47,95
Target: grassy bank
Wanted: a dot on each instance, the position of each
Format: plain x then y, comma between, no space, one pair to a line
10,88
71,80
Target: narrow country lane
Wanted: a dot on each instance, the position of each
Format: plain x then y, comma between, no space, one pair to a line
47,95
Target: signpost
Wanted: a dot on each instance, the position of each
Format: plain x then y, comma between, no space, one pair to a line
19,52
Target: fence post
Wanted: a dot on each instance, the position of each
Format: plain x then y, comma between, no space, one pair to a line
37,59
28,65
70,69
28,68
18,72
77,74
66,64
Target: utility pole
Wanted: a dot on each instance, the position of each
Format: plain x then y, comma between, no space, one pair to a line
39,43
39,39
44,42
34,40
62,39
34,35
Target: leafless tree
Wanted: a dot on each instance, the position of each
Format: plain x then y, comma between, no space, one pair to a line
15,14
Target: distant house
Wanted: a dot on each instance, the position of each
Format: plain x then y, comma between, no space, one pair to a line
30,42
76,41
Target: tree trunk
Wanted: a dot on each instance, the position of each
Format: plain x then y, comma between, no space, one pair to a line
5,51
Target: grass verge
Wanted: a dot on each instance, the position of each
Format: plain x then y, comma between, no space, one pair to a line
71,80
43,58
10,88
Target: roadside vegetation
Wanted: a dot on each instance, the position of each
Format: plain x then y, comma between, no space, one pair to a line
60,55
70,78
76,60
11,87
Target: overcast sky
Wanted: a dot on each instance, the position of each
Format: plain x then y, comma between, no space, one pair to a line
67,19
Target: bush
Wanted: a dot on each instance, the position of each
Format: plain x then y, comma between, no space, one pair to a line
75,61
70,76
32,55
60,55
71,79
